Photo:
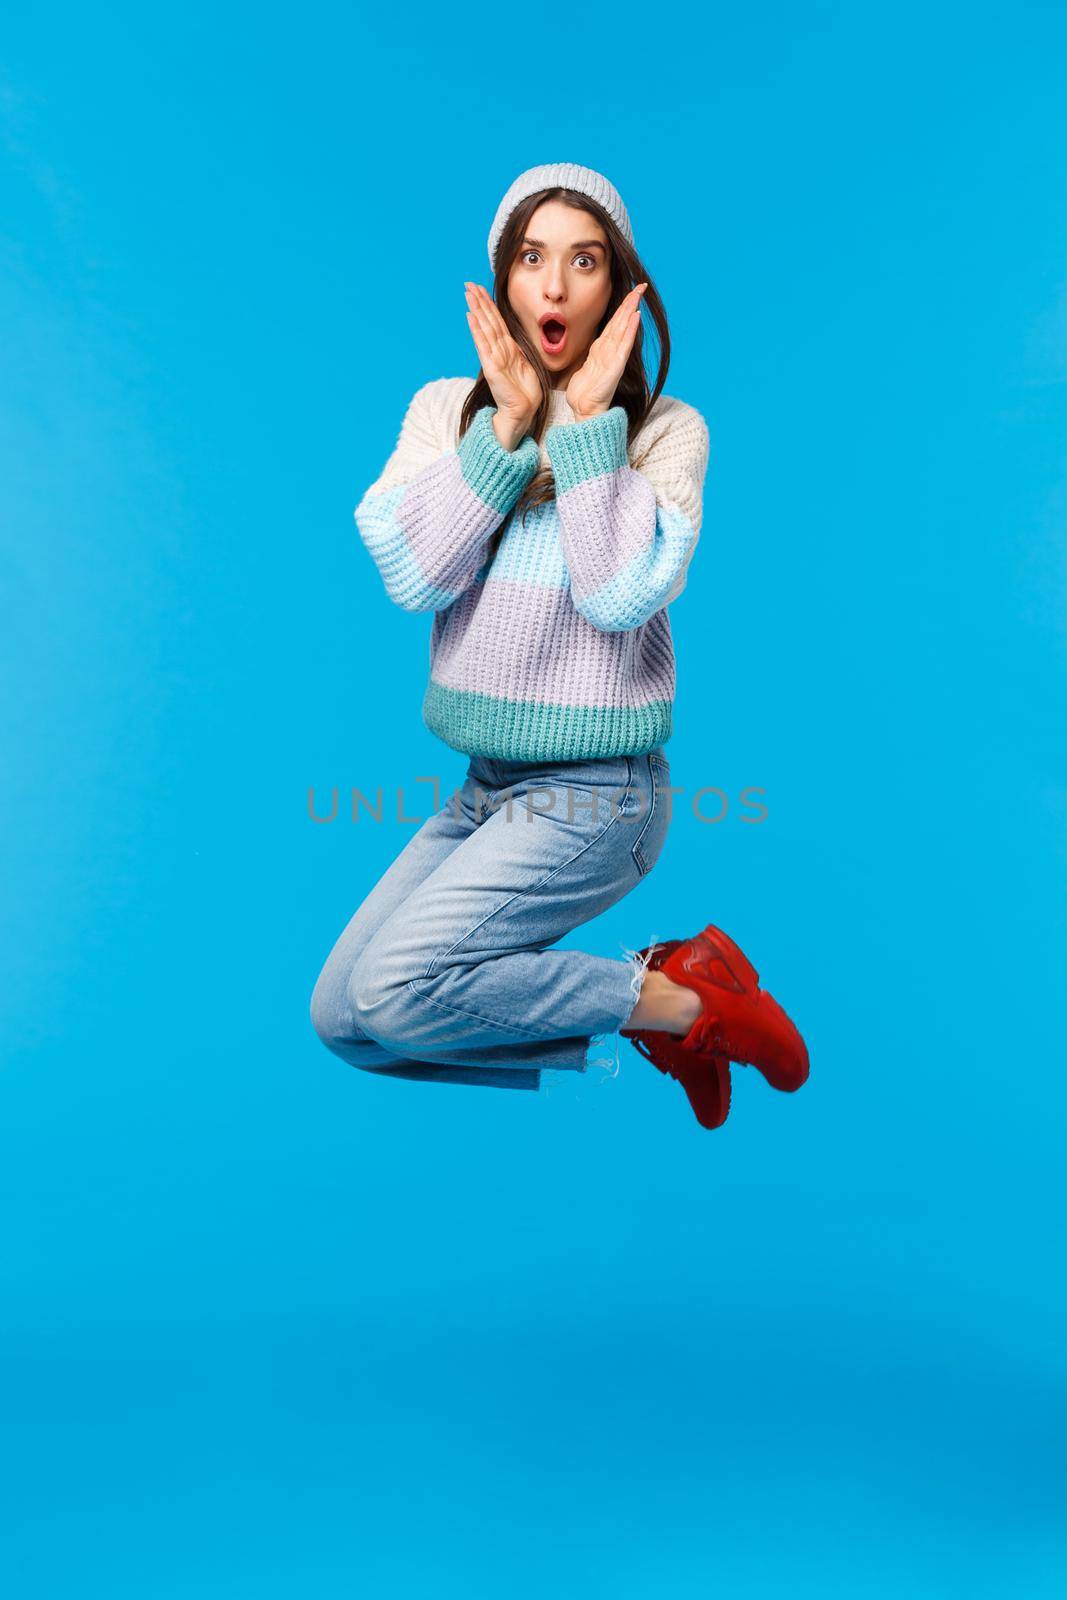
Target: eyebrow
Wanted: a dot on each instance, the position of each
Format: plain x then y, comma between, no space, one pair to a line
583,244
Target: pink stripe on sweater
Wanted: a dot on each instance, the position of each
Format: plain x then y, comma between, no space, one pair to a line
440,516
623,501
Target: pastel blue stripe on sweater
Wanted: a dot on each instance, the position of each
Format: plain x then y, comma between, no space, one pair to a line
497,476
638,590
386,540
588,449
532,553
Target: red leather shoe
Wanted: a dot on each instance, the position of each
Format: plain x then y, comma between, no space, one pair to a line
740,1019
704,1075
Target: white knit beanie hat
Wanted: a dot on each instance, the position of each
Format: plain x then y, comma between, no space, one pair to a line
567,176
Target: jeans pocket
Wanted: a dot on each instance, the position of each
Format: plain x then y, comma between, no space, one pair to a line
649,842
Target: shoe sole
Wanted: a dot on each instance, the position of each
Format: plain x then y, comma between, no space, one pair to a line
686,1067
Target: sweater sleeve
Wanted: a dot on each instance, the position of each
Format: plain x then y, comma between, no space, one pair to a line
427,518
627,535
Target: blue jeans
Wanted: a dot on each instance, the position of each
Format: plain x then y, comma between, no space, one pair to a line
444,973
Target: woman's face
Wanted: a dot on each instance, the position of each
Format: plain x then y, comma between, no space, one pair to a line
561,275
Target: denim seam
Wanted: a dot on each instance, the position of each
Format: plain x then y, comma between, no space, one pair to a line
490,1022
522,893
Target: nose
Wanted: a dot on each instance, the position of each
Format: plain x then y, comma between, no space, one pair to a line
554,284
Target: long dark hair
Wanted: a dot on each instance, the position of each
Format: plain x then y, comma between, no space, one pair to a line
633,392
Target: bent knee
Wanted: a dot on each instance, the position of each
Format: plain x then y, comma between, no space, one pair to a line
323,1009
382,1002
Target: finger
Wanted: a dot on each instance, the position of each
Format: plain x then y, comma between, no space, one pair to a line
618,318
479,343
492,349
618,323
630,324
629,341
620,350
636,295
486,332
476,337
490,321
490,310
473,317
633,301
474,303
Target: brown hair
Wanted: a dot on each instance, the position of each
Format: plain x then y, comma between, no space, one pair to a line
632,393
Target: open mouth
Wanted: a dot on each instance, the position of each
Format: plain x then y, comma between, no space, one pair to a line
553,335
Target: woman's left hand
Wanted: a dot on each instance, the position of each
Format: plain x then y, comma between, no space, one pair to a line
592,388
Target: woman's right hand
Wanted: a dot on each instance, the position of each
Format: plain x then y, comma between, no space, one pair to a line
515,385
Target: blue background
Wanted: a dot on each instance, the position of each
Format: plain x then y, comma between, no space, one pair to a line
274,1327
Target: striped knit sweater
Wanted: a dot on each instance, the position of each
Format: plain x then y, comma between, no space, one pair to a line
557,647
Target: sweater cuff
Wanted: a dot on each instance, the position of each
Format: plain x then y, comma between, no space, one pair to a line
587,449
497,476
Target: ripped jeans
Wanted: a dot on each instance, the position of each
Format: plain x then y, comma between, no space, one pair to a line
444,973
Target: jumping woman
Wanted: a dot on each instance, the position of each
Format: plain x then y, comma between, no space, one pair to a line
546,512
